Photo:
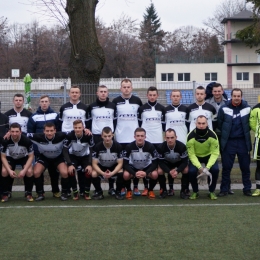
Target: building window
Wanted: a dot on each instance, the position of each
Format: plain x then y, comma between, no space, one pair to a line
242,75
167,77
183,76
213,76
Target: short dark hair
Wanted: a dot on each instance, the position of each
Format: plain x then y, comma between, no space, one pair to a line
126,81
201,88
44,96
201,116
169,130
15,125
18,95
74,86
139,129
176,90
106,130
101,86
49,124
78,121
236,89
152,89
216,85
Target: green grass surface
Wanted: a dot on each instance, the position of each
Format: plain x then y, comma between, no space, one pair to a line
227,228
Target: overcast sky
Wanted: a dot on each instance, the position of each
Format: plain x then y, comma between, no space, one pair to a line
173,13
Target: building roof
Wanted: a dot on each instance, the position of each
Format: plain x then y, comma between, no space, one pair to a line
244,15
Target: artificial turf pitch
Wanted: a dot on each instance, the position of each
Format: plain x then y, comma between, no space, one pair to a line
227,228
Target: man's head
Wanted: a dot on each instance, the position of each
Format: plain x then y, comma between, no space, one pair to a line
170,137
200,94
217,91
236,96
140,135
126,88
201,122
44,102
152,94
74,94
176,97
102,93
49,130
18,101
78,127
107,135
15,131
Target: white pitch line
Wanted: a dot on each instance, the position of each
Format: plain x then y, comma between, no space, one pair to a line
131,206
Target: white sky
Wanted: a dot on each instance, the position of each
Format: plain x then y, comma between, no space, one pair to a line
173,13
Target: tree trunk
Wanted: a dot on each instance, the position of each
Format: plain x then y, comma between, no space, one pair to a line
87,57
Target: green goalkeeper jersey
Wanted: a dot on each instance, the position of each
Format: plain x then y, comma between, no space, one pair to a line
202,146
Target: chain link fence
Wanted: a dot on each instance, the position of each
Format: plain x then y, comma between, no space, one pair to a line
58,92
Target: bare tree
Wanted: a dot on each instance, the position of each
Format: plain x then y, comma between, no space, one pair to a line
225,9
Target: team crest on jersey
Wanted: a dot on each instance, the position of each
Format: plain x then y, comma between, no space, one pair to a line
123,153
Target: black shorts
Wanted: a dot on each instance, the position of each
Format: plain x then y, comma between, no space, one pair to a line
172,165
80,162
13,162
46,162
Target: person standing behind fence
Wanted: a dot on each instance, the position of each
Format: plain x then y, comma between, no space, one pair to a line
102,113
127,120
36,124
151,117
233,122
72,110
200,107
18,114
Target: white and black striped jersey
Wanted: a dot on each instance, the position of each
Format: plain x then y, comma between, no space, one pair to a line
20,118
69,113
175,118
17,150
152,119
49,148
206,110
126,116
101,114
78,146
107,157
139,157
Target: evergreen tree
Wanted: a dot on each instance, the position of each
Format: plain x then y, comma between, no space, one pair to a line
152,39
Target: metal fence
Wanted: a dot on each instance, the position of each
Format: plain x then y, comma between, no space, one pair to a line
59,95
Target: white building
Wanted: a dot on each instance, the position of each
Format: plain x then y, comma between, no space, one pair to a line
241,65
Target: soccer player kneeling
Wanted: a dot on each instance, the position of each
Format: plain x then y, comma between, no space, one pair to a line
18,150
107,162
140,161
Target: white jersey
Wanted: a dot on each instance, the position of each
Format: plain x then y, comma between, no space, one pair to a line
195,110
151,117
126,116
175,118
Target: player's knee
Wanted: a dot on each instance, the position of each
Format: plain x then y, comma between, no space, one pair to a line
29,172
185,171
126,175
4,172
154,175
94,174
160,171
